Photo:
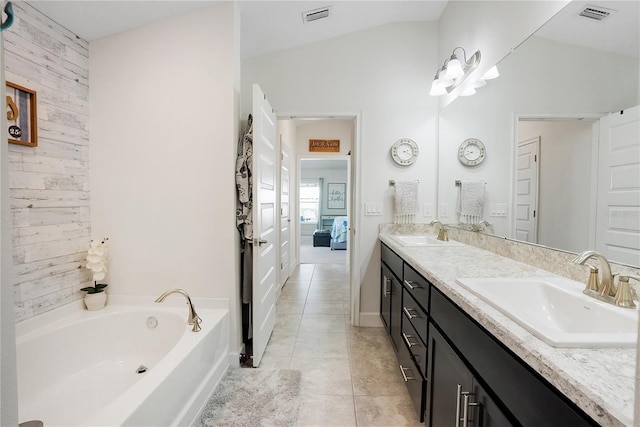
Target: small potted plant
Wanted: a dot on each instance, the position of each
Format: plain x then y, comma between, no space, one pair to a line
96,297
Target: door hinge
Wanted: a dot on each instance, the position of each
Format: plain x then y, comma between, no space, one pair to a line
534,213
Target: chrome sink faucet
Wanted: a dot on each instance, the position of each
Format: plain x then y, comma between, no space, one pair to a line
605,289
482,225
193,318
442,231
606,286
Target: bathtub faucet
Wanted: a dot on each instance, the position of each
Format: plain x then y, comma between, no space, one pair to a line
193,319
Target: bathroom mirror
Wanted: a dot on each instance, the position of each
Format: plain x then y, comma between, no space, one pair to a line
560,81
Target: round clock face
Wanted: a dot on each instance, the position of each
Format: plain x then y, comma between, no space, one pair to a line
405,151
471,152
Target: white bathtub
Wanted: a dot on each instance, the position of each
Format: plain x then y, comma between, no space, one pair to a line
77,367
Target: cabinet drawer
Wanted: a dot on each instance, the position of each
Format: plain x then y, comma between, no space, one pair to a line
417,286
414,314
416,385
416,347
393,261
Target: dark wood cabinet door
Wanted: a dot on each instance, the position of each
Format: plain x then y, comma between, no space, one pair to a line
448,380
482,411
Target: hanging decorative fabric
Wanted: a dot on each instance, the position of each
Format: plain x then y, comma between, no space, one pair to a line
8,9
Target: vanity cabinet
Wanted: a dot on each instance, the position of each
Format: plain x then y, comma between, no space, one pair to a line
456,372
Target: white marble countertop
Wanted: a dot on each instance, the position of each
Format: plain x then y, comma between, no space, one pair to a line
600,381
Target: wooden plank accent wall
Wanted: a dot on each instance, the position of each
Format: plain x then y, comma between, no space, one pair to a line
49,183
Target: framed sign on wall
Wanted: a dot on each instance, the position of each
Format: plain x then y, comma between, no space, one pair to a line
21,115
336,195
324,145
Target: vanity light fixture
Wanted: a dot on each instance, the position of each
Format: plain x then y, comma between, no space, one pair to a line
453,72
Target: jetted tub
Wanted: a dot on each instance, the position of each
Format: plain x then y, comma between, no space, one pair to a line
78,367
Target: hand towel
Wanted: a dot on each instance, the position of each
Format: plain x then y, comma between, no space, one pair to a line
406,202
470,205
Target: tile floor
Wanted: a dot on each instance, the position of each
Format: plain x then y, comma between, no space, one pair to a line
350,375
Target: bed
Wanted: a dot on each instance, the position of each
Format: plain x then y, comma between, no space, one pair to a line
339,232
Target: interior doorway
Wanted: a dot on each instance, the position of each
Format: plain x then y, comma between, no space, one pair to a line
563,165
315,203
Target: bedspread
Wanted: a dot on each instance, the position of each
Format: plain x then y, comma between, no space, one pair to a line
339,229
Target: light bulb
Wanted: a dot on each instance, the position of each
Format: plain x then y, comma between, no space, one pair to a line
454,68
491,73
468,91
437,89
479,83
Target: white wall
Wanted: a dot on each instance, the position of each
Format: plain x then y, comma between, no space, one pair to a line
384,74
164,129
564,193
490,114
494,28
341,129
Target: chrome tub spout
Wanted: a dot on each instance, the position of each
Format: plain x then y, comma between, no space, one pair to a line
193,318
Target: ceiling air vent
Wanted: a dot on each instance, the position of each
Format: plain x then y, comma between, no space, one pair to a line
596,12
316,14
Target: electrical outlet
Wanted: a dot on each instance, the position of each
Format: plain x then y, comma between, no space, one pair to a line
444,210
499,210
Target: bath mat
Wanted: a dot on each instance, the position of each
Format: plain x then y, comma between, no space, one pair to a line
254,397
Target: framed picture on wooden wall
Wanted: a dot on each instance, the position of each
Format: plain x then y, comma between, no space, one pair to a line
22,115
336,195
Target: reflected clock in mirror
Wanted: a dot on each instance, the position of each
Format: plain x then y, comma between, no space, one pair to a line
471,152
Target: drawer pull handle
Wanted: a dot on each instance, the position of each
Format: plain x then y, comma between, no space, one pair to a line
387,282
406,339
458,393
404,375
412,285
408,311
465,409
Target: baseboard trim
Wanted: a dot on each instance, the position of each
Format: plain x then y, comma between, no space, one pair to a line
370,320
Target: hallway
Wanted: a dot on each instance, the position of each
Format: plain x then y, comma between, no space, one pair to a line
350,375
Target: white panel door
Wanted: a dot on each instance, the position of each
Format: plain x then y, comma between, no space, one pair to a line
265,249
527,190
285,219
618,214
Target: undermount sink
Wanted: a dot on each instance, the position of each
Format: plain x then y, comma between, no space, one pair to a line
420,240
556,311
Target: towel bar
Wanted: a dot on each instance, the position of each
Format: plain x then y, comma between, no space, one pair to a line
459,183
392,182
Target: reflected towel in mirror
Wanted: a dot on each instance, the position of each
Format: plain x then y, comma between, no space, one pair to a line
470,205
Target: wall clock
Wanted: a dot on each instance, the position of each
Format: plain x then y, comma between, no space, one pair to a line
471,152
405,151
